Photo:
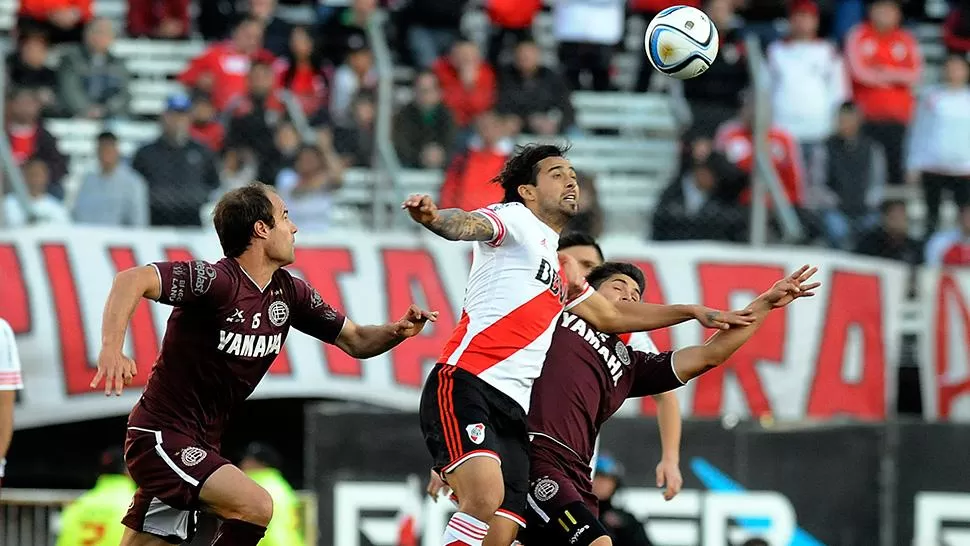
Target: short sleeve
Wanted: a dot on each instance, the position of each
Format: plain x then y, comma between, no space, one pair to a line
313,316
582,296
653,373
509,221
11,378
196,282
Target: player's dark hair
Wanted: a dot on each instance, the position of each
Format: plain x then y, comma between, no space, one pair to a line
522,168
112,461
236,215
580,238
600,273
890,204
263,454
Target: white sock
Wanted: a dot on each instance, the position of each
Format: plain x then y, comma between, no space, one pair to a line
464,530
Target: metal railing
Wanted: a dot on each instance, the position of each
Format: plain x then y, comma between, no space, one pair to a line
31,517
386,188
764,180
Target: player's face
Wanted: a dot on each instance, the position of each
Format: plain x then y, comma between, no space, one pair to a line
620,288
587,257
282,236
557,191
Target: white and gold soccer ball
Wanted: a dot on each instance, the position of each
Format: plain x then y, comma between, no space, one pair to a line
681,42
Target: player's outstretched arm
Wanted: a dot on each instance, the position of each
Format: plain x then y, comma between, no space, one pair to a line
451,224
691,362
625,316
369,341
129,287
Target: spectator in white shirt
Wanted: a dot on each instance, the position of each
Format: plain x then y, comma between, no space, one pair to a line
308,188
587,32
939,142
10,382
45,208
808,80
357,74
113,194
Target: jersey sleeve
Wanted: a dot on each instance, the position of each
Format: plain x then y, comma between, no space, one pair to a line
10,370
509,222
653,373
193,283
580,297
313,316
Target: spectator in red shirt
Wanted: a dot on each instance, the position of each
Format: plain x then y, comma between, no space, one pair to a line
206,128
166,19
221,71
62,20
468,84
511,21
300,72
29,140
885,65
734,139
468,181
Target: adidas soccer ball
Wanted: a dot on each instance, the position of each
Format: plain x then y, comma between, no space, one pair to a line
681,42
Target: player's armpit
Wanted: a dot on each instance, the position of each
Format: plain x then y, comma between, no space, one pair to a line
622,317
460,225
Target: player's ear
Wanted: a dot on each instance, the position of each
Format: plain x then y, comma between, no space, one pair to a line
527,192
261,230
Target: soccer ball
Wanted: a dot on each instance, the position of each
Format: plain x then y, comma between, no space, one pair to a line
681,42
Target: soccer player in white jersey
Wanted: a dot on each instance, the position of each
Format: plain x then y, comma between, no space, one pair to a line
474,404
588,254
10,383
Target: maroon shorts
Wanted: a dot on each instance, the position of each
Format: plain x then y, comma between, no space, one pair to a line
557,478
169,469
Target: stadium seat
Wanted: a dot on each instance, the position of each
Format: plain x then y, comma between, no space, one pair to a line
148,95
8,15
631,113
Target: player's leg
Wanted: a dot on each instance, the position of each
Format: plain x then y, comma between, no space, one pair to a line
243,505
575,525
135,538
455,421
509,519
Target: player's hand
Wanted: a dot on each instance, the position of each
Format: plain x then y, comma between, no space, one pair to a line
722,320
792,287
668,474
574,274
117,370
435,486
421,208
413,321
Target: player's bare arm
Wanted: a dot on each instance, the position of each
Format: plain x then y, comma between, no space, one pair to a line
625,316
369,341
669,423
691,362
7,399
451,224
128,289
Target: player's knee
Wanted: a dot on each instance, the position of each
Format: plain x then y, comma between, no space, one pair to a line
602,541
482,502
256,508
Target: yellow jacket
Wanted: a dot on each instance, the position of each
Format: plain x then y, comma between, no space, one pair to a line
94,519
284,528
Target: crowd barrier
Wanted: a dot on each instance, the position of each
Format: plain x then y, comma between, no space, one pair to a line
888,484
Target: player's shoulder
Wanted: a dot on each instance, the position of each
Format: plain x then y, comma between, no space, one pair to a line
507,211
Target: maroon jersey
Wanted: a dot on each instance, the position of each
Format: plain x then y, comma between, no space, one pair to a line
586,377
220,340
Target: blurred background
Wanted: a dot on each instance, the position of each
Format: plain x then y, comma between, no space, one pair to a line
834,132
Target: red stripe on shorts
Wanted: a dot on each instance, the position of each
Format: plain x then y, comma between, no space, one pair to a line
446,407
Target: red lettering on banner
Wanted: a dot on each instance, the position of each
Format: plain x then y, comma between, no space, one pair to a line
13,291
949,291
718,283
855,301
653,293
144,336
405,269
321,267
78,372
280,366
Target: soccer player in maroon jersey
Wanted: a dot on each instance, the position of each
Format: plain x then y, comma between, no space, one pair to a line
587,377
229,324
588,254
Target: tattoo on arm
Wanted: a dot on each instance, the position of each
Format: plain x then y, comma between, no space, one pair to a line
459,225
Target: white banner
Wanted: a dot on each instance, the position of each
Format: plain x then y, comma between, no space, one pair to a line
828,356
945,354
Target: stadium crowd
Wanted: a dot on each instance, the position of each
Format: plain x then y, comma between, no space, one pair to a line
852,114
